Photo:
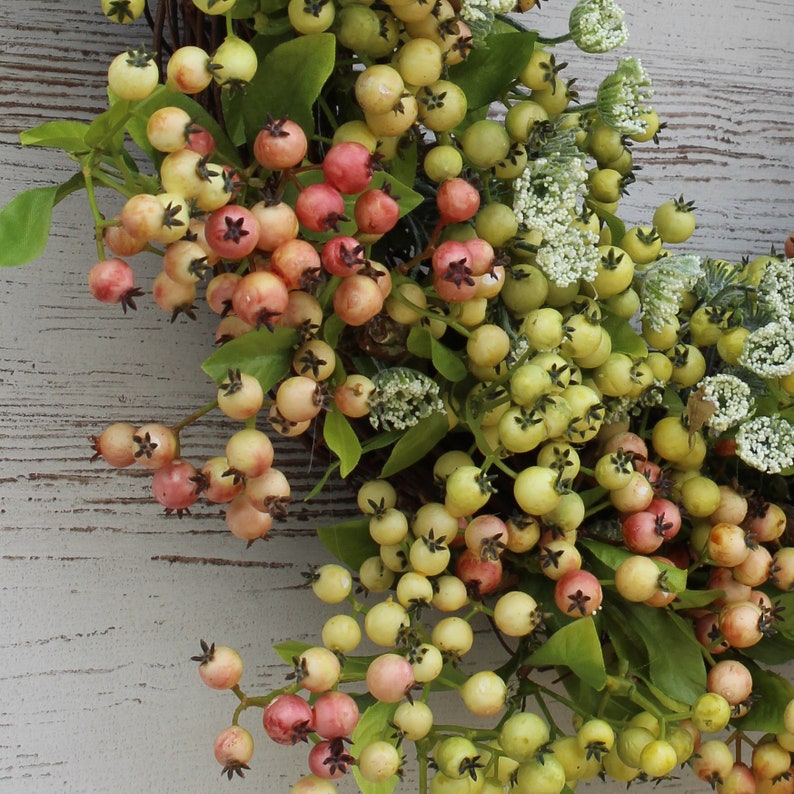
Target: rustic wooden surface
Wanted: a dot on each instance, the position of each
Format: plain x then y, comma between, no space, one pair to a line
103,599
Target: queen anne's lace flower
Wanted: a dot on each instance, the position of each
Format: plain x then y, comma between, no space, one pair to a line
766,443
597,25
776,289
547,192
663,286
769,351
623,96
402,396
483,10
731,397
568,256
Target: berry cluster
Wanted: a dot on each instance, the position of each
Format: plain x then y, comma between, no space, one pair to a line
564,434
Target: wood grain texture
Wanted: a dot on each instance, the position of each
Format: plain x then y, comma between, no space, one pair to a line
103,598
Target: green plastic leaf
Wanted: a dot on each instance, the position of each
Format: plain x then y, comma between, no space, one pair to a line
106,131
446,362
66,135
773,693
25,221
349,541
288,81
613,556
342,441
774,650
675,663
693,599
419,342
624,338
163,97
489,70
416,443
373,726
267,355
290,649
616,226
577,647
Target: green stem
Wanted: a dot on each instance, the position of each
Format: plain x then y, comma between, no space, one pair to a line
550,42
188,420
88,176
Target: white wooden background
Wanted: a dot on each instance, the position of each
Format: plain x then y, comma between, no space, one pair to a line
102,599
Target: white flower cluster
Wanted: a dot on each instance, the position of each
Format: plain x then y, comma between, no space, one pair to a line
483,10
766,443
597,25
731,397
547,192
769,350
618,409
623,97
402,397
776,289
663,286
568,256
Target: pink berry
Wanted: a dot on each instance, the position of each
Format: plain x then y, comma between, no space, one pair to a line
175,487
112,281
288,719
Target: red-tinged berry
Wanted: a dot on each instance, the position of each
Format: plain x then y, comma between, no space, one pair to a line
220,667
245,522
376,212
481,576
389,678
232,232
260,298
277,224
320,207
357,300
173,297
174,486
349,167
335,715
215,483
342,256
219,291
119,242
288,719
280,144
578,594
249,452
329,759
297,263
457,200
115,445
154,445
187,70
113,281
234,748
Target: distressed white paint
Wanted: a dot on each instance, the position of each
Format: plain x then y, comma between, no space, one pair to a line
102,599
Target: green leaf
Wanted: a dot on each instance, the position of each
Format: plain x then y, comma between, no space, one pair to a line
613,556
489,70
349,541
616,226
577,647
773,693
403,167
373,726
106,131
163,97
693,599
624,338
675,656
66,135
290,649
774,650
267,355
446,362
288,81
342,441
25,221
419,342
416,443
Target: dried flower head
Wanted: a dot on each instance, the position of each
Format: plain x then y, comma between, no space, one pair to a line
597,25
623,97
402,397
732,399
769,350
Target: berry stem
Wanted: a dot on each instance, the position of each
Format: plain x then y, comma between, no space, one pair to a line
88,176
188,420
